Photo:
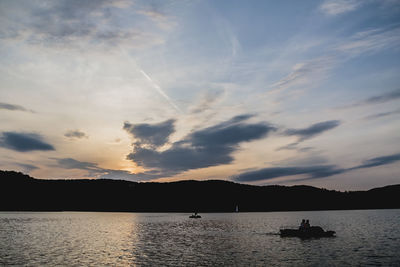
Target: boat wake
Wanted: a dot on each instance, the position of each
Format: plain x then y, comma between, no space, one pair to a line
271,233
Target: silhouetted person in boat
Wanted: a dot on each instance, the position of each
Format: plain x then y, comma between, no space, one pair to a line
307,224
302,224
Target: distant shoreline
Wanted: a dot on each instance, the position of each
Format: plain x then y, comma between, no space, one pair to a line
21,192
181,213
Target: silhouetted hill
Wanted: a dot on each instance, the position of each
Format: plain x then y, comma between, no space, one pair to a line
20,192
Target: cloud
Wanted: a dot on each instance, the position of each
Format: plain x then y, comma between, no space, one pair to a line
206,101
336,7
383,114
294,146
70,163
101,173
74,24
24,142
379,161
291,146
202,148
371,41
151,134
377,99
367,41
161,19
312,172
125,175
305,72
75,134
27,167
311,71
313,130
276,172
307,133
7,106
229,133
385,97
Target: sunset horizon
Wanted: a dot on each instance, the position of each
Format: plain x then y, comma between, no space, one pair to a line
264,93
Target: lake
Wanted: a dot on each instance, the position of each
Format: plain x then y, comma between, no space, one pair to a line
363,237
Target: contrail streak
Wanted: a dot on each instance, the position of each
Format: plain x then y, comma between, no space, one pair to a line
160,91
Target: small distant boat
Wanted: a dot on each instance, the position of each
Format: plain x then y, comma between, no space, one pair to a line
195,216
312,231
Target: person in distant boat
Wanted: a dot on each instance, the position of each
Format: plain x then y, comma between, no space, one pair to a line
195,215
307,224
302,224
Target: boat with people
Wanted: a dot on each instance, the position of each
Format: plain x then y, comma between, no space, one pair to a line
195,216
306,231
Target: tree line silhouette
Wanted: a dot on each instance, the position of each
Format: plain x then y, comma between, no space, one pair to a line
20,192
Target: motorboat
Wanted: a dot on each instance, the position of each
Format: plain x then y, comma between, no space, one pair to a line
195,216
308,232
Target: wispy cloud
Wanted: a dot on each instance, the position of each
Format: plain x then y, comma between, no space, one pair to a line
161,19
371,40
312,71
7,106
291,146
75,134
376,99
337,7
387,96
27,167
382,114
70,163
305,72
206,101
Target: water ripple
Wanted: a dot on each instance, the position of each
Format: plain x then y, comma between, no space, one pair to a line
115,239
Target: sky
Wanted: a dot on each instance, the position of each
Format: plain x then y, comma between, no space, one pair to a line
256,92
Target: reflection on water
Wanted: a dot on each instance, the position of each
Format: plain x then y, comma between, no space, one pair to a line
67,238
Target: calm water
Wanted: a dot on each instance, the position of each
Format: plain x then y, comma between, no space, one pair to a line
369,237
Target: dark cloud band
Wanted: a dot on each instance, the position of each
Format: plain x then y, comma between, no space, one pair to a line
377,99
313,130
388,96
312,172
379,161
24,142
70,163
275,172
